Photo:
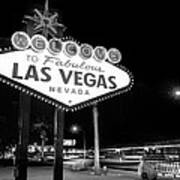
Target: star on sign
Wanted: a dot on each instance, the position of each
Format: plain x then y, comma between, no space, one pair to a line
45,22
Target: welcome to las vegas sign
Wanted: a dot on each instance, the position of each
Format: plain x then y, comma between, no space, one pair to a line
62,72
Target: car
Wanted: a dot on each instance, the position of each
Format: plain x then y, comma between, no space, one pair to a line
147,171
81,164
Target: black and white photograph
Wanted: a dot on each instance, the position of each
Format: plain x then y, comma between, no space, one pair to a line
89,90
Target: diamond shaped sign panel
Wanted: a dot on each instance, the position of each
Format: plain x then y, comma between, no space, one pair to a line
63,73
70,81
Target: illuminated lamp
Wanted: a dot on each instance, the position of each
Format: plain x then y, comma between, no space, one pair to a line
55,46
100,53
70,48
39,43
114,56
86,51
20,40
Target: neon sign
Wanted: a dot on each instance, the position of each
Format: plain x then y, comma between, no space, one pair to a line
21,41
63,72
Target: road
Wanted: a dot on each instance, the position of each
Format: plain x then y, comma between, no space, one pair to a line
45,173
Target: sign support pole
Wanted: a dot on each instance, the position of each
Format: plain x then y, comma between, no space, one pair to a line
59,116
22,146
96,140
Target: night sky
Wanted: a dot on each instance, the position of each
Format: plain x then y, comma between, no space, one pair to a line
147,34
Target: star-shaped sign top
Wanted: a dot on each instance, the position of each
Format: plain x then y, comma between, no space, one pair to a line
45,22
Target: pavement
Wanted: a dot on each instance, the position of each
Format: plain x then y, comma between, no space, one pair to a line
46,173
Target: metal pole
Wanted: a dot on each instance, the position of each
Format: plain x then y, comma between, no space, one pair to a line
22,146
58,143
84,144
46,12
96,140
42,148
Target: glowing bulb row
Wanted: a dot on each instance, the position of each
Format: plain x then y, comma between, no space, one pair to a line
21,41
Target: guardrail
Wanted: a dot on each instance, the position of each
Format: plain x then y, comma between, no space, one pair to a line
171,169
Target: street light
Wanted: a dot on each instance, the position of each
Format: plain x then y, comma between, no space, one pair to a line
176,93
76,129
